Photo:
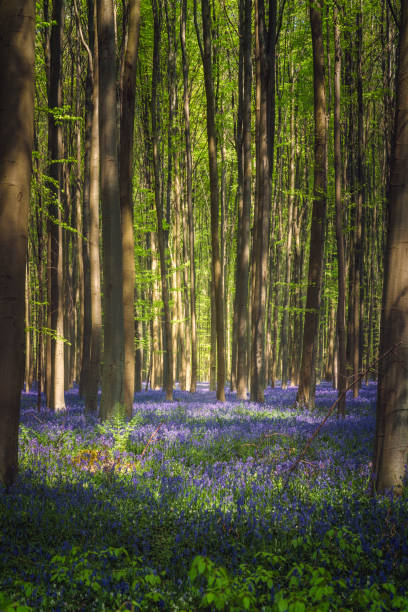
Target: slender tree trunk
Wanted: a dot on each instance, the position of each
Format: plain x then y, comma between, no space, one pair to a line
113,370
262,210
17,23
286,287
86,335
212,160
213,338
55,398
40,316
189,195
128,91
242,277
156,359
79,241
341,272
391,444
358,239
138,349
92,341
27,329
161,239
306,390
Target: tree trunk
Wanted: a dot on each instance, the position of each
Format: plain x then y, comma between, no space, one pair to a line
17,23
94,371
212,160
213,337
156,369
286,288
79,304
189,195
27,330
243,240
391,444
128,91
113,371
306,390
262,210
55,397
341,272
358,238
161,239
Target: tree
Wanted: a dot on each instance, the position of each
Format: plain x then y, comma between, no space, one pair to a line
189,194
341,301
16,128
244,210
55,386
92,213
158,198
262,208
113,356
391,443
126,200
306,390
206,55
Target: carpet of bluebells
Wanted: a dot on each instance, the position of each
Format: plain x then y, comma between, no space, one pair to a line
184,508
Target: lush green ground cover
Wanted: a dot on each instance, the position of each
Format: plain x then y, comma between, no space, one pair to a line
93,525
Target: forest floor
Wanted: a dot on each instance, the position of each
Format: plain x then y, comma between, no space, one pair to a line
183,508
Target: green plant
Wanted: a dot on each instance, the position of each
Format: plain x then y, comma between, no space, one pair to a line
8,605
222,591
120,429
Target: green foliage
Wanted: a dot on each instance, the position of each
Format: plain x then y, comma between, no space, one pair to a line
89,573
221,591
8,605
120,429
307,587
61,114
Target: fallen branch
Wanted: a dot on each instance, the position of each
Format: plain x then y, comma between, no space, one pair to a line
332,409
150,440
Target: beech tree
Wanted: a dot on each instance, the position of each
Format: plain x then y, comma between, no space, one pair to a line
341,302
55,343
206,54
91,202
158,197
244,199
17,23
262,209
189,194
126,198
306,390
113,356
391,444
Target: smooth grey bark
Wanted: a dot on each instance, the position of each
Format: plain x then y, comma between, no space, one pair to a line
161,238
95,349
288,263
391,443
128,94
243,241
92,337
357,280
189,194
113,356
341,300
214,197
55,395
262,207
306,391
17,24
